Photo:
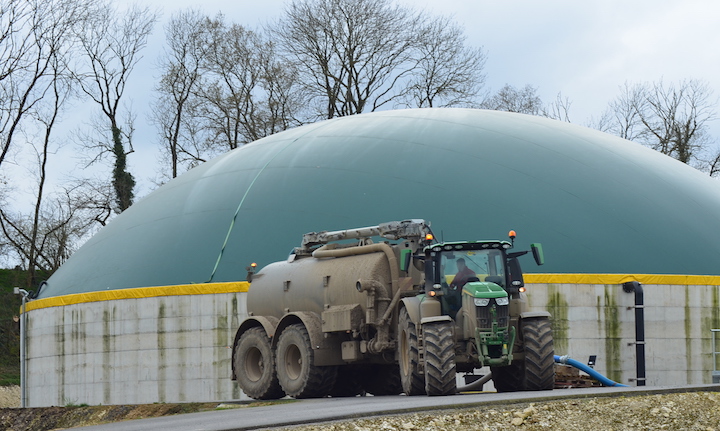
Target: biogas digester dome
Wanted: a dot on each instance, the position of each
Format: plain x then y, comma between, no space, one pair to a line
598,203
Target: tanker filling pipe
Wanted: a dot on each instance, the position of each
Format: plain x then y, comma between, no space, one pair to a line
380,341
566,360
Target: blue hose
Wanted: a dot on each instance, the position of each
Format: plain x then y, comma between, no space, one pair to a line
582,367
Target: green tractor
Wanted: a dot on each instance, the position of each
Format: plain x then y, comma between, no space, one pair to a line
474,294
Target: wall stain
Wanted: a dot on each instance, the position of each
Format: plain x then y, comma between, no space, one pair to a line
688,337
107,359
162,359
710,319
557,306
612,335
60,348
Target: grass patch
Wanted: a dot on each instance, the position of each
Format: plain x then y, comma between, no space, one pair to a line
10,375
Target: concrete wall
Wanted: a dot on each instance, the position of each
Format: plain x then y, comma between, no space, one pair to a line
176,348
599,319
139,350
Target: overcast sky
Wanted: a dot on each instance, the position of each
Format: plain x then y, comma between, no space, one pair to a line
583,49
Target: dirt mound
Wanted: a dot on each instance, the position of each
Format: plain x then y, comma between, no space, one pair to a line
40,419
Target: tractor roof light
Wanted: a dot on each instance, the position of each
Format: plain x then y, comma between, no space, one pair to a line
429,237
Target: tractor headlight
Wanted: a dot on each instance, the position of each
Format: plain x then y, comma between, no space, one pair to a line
502,301
481,302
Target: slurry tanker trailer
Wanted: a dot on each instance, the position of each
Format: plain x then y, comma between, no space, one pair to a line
344,315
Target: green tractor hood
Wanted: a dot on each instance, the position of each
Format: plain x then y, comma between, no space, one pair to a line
484,289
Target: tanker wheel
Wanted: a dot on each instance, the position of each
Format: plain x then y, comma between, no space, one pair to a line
349,381
413,383
298,375
382,379
439,358
539,355
255,366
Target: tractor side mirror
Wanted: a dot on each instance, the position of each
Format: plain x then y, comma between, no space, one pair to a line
405,257
537,252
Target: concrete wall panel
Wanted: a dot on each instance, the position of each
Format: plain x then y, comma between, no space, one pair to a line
179,348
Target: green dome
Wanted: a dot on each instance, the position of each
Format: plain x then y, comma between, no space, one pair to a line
598,203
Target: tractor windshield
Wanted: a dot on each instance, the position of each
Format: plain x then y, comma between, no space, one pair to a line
458,267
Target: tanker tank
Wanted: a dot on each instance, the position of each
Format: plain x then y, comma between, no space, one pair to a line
309,283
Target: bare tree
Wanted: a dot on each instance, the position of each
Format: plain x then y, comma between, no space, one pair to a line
32,35
181,62
59,231
112,42
448,72
559,109
670,118
511,99
222,86
246,93
352,55
676,117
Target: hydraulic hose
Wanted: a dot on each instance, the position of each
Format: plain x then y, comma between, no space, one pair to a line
477,384
566,360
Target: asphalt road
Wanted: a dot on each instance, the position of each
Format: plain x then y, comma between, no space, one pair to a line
327,409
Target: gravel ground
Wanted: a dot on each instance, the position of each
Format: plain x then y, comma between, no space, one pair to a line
685,411
676,411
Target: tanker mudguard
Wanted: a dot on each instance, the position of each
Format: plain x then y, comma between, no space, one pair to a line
268,323
327,350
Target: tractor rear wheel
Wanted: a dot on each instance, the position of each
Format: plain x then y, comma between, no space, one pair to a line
255,366
539,355
439,359
296,371
413,383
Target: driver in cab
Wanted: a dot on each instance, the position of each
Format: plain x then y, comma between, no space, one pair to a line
463,275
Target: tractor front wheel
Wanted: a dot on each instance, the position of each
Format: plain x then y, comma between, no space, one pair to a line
439,359
539,355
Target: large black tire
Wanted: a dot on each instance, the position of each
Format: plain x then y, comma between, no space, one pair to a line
255,366
413,383
439,359
382,379
537,371
298,375
349,381
539,355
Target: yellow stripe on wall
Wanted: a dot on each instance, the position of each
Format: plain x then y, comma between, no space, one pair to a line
243,286
138,292
651,279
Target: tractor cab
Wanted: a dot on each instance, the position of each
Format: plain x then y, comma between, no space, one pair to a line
478,269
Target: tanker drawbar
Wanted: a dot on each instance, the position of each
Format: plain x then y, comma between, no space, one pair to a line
386,309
